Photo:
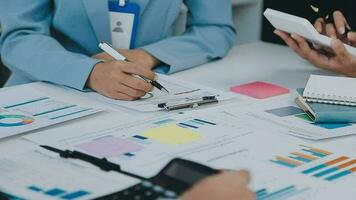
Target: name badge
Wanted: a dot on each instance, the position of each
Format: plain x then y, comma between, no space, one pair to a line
123,23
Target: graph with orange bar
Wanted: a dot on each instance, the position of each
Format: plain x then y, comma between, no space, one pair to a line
303,156
331,170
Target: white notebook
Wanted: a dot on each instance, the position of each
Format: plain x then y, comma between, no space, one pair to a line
331,90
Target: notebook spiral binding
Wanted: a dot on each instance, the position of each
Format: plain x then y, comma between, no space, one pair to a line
330,99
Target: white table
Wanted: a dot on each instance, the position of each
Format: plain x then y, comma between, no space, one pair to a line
254,62
245,63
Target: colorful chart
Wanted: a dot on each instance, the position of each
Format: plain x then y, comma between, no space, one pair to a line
299,158
110,147
60,193
12,120
282,193
330,170
196,123
171,134
333,169
285,111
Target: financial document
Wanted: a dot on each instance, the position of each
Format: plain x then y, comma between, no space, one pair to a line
24,109
180,91
282,166
285,116
41,175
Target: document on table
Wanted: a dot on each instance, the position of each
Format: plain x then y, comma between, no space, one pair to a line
24,109
41,175
221,139
285,116
180,91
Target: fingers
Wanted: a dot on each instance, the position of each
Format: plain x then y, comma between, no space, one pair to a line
340,50
289,41
319,25
136,83
132,68
134,93
340,22
120,96
330,30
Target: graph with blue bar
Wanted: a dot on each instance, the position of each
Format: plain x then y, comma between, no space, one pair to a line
332,169
196,123
59,193
301,157
282,193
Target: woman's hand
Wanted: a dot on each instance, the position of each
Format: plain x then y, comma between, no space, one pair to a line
115,79
336,29
138,56
227,186
342,62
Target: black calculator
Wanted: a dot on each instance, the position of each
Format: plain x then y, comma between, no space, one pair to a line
177,177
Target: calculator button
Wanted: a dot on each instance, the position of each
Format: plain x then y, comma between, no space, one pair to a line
170,194
146,184
126,193
158,189
138,197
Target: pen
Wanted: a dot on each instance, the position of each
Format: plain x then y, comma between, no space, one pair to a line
118,56
102,163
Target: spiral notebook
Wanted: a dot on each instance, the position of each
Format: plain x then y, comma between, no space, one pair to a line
331,90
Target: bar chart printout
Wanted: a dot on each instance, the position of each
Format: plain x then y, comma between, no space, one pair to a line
59,193
279,194
318,163
304,156
334,169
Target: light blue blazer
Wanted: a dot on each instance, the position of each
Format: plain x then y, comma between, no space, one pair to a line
53,40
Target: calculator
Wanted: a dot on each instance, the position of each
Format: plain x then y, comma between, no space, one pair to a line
174,179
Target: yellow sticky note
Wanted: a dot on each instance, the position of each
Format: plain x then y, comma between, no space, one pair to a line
171,134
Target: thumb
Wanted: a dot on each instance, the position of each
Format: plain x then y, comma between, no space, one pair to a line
340,50
237,177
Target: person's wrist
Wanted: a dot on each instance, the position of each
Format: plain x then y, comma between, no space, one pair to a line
150,60
93,75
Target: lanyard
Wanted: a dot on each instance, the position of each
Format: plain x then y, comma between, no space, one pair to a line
122,3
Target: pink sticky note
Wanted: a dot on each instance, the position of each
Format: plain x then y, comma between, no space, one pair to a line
260,90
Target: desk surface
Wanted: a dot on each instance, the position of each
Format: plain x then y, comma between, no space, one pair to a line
245,63
254,62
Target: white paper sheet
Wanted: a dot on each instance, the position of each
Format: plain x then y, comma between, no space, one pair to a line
42,175
24,109
179,91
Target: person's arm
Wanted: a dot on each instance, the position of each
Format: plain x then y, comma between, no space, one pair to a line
209,35
27,46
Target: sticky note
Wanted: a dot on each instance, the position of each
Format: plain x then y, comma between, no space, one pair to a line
171,134
260,90
109,147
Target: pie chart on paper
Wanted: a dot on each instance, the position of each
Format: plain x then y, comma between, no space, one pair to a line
14,120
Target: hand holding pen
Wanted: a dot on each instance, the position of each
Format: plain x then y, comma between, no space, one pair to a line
114,79
118,56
